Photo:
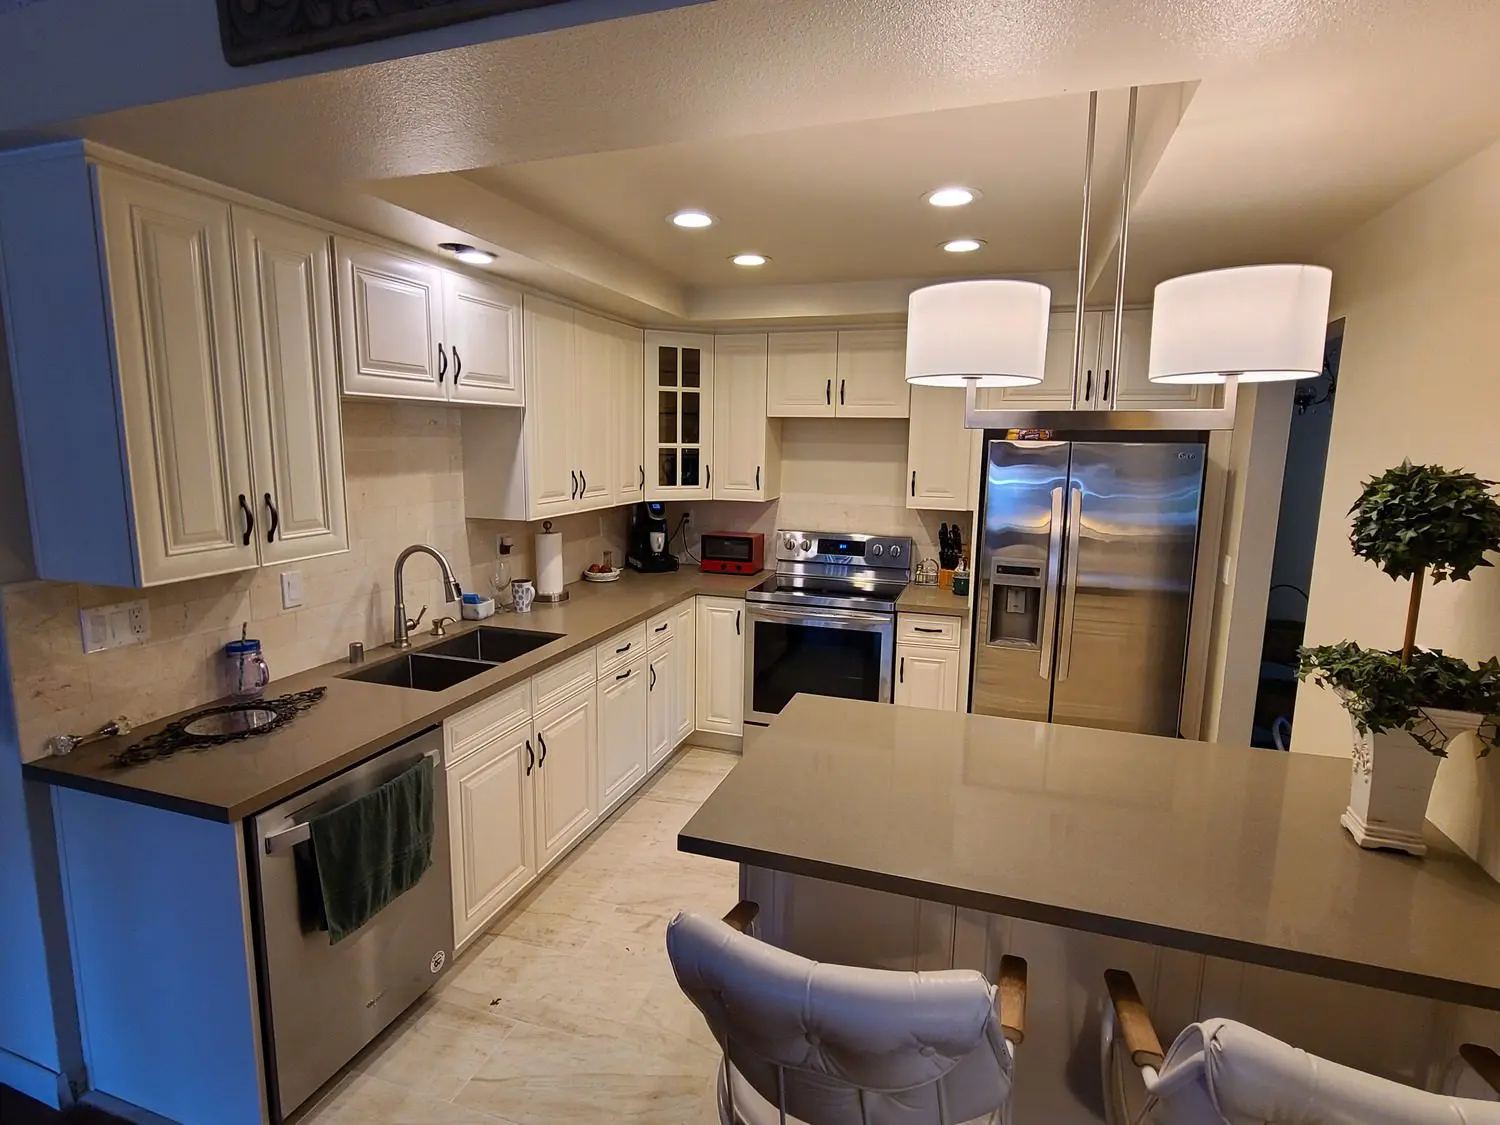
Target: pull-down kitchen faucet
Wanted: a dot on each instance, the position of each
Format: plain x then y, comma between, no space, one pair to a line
451,590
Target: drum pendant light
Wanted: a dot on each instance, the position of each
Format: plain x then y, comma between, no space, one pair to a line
988,333
1259,324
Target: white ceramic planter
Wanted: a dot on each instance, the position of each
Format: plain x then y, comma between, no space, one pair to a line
1392,783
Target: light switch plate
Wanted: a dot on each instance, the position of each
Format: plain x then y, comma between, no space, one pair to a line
114,626
291,589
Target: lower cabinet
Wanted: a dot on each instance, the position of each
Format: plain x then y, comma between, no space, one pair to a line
567,747
685,642
720,660
664,692
490,818
927,677
622,731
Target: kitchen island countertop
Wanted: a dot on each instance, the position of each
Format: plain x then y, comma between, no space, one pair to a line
1219,850
355,719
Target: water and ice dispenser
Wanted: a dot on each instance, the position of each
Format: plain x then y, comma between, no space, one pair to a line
1015,610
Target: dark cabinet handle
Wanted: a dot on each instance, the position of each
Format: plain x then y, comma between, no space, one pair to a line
736,623
924,629
841,392
1105,398
625,675
574,474
662,628
249,521
275,519
458,365
653,678
901,676
914,482
542,742
643,476
442,363
620,650
530,757
1088,384
708,475
757,478
583,483
828,393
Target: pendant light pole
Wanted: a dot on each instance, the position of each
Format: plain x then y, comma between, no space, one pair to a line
1083,236
1119,325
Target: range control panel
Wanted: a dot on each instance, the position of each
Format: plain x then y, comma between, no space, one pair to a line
843,547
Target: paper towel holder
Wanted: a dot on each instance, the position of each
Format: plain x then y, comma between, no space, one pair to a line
561,594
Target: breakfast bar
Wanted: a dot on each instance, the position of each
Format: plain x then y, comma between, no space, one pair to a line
1219,876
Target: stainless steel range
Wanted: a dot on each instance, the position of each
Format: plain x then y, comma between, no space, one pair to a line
825,622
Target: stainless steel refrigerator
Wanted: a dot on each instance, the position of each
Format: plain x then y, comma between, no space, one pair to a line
1085,571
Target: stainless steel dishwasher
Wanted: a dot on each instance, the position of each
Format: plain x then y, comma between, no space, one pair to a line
321,1003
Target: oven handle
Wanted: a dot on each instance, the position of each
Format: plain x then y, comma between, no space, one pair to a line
288,838
815,616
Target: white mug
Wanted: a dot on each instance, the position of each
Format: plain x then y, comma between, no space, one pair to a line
525,593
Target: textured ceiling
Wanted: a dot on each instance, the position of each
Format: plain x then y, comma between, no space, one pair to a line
814,125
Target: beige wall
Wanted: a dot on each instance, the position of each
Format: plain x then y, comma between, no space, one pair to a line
405,485
1420,378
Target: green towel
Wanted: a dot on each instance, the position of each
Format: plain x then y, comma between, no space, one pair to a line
374,849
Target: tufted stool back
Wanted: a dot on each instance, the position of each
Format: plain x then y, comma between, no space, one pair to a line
835,1045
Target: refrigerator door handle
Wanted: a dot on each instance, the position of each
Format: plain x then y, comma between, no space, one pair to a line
1070,581
1049,585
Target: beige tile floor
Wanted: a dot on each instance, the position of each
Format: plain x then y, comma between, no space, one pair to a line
566,1011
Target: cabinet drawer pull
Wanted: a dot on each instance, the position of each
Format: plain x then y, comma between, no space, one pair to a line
542,742
249,521
530,758
625,675
625,649
927,629
663,627
442,363
275,519
458,365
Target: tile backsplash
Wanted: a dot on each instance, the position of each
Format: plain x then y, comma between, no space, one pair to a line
404,483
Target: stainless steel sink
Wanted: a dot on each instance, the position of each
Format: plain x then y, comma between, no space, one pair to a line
492,645
420,671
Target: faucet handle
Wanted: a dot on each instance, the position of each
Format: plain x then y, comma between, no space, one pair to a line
438,624
413,622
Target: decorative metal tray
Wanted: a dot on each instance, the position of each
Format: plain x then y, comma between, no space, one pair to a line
215,726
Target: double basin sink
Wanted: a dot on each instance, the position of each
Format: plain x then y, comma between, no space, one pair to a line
440,666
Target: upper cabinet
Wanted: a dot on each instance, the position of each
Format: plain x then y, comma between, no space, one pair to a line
942,458
626,352
857,373
411,329
747,444
679,416
1098,386
185,348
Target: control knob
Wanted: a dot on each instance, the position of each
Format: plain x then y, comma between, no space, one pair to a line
877,550
789,543
805,545
895,550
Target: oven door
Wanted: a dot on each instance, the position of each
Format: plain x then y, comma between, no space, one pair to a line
840,652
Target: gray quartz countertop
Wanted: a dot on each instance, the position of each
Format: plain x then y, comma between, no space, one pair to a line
931,599
354,719
1225,851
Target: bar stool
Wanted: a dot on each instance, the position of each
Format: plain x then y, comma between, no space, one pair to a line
1220,1071
816,1044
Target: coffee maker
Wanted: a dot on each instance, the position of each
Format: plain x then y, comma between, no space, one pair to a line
647,547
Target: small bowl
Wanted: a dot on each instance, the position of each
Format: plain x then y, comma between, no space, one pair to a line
605,576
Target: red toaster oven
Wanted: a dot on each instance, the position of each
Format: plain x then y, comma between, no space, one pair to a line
732,552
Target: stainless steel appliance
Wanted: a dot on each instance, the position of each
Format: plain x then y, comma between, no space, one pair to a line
825,622
646,549
321,1003
1085,574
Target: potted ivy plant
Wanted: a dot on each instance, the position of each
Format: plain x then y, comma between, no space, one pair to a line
1415,522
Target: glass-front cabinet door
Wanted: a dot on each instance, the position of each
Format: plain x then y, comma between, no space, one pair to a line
679,416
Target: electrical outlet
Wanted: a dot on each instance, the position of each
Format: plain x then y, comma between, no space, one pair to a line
687,517
291,589
114,626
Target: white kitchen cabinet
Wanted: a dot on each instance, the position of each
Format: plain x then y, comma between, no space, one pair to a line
872,373
482,328
284,276
747,444
627,352
390,323
927,677
623,695
663,701
551,362
592,412
567,746
679,431
172,292
684,640
490,819
1131,389
1056,390
942,462
802,371
720,659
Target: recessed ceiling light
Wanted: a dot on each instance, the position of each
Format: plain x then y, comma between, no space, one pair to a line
963,245
466,253
952,196
749,259
691,219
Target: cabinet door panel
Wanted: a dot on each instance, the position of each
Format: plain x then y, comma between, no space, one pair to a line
740,418
630,458
1130,389
872,374
802,374
942,464
684,639
177,342
551,363
721,665
592,411
622,731
679,429
567,753
927,678
663,702
494,851
391,324
1056,391
285,280
482,323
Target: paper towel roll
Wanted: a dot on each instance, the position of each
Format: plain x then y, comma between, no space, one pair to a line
549,566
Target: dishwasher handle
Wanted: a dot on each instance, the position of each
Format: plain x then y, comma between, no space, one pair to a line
279,843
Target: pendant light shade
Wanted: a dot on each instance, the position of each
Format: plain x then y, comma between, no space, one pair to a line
989,333
1260,323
